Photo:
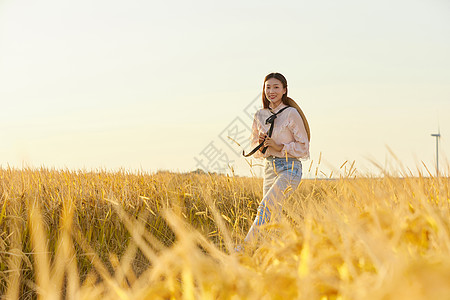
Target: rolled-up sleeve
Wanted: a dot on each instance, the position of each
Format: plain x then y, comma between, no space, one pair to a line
300,146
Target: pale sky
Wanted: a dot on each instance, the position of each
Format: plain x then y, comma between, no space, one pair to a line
149,85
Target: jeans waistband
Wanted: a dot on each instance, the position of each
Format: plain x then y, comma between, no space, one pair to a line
283,158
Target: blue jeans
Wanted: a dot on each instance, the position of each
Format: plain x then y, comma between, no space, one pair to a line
281,178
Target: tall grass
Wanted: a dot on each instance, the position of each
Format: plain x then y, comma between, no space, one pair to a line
118,235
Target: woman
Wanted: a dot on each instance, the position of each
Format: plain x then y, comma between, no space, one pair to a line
282,133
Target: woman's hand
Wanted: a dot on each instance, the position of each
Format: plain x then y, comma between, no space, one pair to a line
269,142
262,136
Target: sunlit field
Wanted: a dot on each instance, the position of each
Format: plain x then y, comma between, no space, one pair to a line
119,235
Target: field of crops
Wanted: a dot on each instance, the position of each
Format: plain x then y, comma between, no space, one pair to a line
119,235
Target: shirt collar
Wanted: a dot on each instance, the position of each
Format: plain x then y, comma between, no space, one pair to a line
281,106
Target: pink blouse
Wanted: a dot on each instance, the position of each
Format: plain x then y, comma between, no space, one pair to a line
288,130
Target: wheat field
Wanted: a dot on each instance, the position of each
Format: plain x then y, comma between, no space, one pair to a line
121,235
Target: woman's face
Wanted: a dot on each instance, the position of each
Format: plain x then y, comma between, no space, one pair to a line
273,88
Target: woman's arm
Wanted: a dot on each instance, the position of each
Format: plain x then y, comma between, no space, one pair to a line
269,142
257,136
300,146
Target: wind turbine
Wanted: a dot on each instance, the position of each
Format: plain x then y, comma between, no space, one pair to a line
438,136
